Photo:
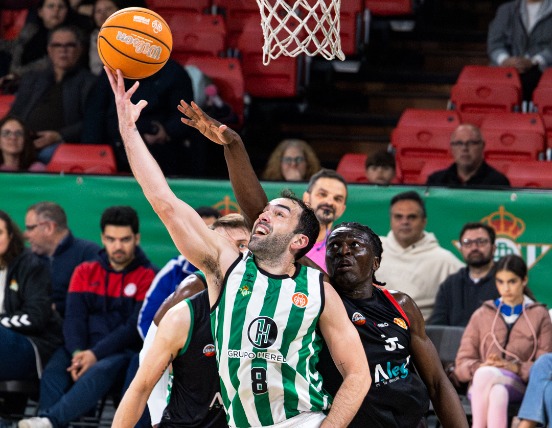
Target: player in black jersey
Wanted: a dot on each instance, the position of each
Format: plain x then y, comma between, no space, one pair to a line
392,331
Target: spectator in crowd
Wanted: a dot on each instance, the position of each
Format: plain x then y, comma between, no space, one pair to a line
17,152
536,407
465,291
49,236
469,168
520,36
327,195
380,168
100,332
208,214
291,160
194,400
171,144
500,344
414,262
29,50
30,330
51,102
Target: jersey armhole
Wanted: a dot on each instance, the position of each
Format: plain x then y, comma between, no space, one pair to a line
191,329
396,304
225,280
322,294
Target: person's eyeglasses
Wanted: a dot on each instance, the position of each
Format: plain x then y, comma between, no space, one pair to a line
6,133
469,143
31,227
70,45
480,242
289,160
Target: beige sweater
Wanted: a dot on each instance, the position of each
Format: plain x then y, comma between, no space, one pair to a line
417,270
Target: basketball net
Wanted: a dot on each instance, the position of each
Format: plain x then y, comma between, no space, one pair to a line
309,26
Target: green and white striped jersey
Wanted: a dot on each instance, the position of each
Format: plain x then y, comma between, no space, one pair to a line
267,344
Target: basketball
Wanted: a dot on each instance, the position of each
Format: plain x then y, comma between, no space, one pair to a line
136,41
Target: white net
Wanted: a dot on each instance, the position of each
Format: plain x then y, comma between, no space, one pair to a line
293,27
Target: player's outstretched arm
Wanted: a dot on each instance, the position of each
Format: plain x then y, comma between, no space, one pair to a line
444,397
250,195
199,244
349,357
169,339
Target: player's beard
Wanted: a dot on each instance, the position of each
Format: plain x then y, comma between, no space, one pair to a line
270,247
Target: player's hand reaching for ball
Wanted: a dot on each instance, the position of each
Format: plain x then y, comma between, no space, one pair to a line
209,127
127,111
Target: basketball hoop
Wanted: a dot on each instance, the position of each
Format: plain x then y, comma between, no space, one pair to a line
309,26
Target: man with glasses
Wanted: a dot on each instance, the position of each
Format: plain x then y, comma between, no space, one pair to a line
51,101
464,291
50,238
469,168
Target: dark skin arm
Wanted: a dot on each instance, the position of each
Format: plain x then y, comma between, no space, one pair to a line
189,286
250,195
441,392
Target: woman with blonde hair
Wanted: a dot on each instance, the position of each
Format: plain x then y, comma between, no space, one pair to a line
291,160
502,340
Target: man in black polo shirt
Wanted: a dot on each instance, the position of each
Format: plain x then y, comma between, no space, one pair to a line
469,168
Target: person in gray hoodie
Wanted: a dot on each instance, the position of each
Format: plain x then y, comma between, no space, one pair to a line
520,36
414,263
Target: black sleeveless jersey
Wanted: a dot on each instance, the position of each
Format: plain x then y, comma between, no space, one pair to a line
195,399
397,397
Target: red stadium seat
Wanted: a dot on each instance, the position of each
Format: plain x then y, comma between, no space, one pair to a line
389,7
11,22
227,75
351,167
542,103
484,74
513,146
545,80
350,25
6,101
474,101
83,159
236,13
196,34
429,119
279,79
530,174
186,5
514,122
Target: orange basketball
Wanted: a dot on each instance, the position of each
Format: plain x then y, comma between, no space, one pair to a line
136,41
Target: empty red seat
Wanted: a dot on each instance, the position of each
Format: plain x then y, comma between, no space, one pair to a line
236,13
542,103
196,34
485,74
545,80
83,159
6,101
277,80
507,145
350,25
531,174
11,22
389,7
473,101
429,119
227,75
189,5
514,122
352,167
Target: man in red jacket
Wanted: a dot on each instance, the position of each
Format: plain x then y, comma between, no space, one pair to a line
100,332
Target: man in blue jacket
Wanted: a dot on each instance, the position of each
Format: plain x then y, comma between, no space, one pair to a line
100,333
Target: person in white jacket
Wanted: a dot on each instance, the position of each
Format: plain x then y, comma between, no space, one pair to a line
414,263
